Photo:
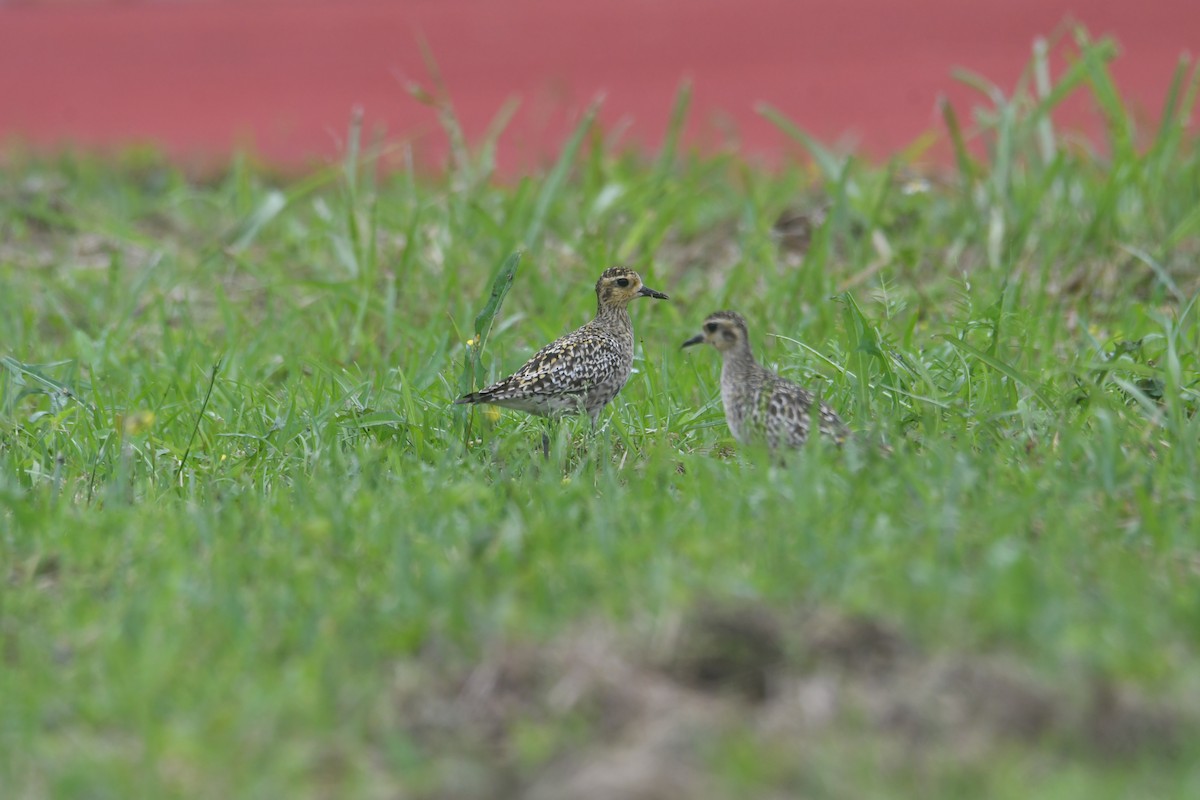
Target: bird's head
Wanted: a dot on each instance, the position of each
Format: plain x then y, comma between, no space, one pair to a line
724,330
618,285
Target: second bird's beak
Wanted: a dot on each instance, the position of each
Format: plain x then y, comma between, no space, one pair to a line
697,339
646,291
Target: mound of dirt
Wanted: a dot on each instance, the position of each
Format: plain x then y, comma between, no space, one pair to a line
643,720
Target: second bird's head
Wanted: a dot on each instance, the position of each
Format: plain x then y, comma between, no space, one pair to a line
618,285
724,330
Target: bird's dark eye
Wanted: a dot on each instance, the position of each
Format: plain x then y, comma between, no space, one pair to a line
622,282
711,327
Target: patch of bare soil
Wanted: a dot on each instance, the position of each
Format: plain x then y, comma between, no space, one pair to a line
642,721
713,251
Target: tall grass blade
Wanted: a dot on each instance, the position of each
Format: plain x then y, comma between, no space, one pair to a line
557,178
679,112
491,137
1075,76
1043,86
830,165
212,381
473,363
1096,57
861,346
962,158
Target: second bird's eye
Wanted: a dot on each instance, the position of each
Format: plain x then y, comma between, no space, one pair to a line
711,327
622,282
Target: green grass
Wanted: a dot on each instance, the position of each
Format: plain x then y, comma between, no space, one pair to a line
219,595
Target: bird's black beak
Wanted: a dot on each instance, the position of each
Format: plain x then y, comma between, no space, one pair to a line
697,339
646,291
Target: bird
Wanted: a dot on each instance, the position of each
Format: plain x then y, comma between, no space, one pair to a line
759,405
582,371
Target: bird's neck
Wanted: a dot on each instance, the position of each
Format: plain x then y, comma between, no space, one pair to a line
613,315
739,361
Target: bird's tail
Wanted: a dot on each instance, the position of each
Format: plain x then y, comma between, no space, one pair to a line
468,399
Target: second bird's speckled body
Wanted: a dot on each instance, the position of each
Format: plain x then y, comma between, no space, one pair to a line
759,405
584,370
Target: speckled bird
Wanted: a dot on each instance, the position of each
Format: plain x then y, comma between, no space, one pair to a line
584,370
759,405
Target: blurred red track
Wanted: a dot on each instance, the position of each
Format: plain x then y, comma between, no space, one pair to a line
204,77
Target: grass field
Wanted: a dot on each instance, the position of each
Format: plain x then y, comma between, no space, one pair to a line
249,548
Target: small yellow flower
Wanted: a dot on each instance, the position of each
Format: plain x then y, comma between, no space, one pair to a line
470,342
492,413
138,423
317,528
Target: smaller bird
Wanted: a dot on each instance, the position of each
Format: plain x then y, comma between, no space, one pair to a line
584,370
759,405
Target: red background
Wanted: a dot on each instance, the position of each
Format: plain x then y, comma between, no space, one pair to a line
204,77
